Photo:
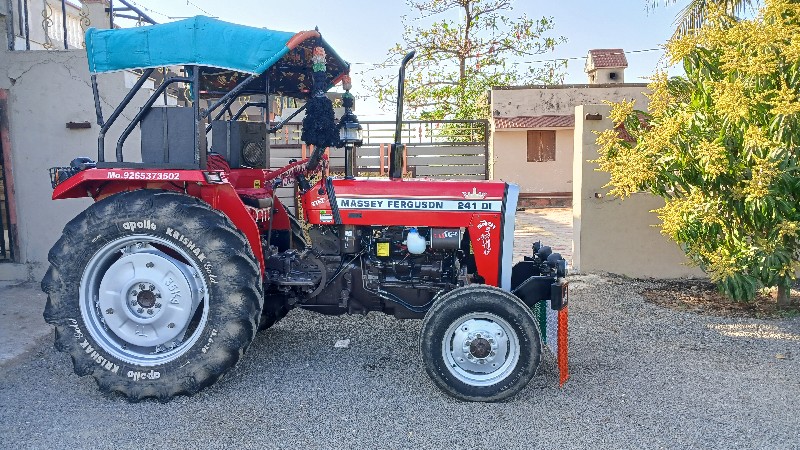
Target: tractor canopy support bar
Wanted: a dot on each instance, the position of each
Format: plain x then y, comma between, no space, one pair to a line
145,109
101,139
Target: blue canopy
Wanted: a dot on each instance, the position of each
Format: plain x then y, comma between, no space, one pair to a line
196,41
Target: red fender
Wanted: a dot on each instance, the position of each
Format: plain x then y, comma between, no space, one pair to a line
100,183
224,198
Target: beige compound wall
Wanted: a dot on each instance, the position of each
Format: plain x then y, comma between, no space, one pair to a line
47,89
508,147
510,162
560,99
611,235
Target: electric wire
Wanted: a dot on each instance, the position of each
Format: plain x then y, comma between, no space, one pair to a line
199,8
537,61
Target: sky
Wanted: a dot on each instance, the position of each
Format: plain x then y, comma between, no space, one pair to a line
362,31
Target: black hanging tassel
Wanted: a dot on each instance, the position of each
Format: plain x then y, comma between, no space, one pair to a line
319,124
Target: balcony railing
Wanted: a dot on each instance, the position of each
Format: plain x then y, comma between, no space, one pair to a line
63,22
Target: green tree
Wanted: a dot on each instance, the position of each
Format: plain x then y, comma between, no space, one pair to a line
722,146
695,13
458,60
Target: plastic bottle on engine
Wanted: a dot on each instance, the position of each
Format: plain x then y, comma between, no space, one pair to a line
415,243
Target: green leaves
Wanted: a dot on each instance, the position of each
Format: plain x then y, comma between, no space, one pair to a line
459,60
723,143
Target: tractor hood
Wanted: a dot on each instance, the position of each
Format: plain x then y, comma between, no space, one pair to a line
485,208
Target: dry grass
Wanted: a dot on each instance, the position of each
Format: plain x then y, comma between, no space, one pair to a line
703,297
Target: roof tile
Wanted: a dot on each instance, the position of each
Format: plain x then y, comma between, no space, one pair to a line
604,58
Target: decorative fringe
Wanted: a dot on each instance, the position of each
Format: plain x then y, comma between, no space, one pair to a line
319,124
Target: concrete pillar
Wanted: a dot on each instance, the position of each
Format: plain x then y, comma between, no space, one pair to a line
611,235
98,17
7,16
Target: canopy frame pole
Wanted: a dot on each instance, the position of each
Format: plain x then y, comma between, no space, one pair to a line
267,119
101,138
227,107
232,93
145,109
200,141
239,113
98,110
283,122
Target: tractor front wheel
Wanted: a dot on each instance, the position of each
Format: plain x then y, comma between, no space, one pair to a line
153,293
480,343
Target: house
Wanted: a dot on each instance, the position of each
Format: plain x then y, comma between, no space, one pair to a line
533,127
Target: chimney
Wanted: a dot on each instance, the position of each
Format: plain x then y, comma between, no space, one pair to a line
606,66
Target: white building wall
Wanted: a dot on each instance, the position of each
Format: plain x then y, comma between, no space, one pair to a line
509,147
511,164
46,90
560,99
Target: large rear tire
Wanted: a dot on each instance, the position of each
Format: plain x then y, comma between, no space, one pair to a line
480,343
153,293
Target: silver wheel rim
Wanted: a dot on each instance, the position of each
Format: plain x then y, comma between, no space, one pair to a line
143,300
481,349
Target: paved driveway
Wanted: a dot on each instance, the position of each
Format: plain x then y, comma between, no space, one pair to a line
642,377
551,226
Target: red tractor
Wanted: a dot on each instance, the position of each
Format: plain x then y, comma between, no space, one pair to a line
158,288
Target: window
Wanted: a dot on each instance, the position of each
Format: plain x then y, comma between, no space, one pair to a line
541,145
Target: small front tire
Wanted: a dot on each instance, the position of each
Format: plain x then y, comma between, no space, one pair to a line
480,343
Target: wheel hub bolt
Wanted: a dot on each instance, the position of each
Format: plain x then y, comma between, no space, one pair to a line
149,265
158,305
480,348
110,311
139,310
146,299
151,288
171,325
150,311
141,286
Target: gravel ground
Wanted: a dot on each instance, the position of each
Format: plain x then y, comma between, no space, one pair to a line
642,377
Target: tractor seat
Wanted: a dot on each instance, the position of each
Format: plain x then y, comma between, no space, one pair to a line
262,201
255,198
215,161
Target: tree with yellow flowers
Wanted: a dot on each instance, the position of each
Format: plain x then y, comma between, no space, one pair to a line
721,145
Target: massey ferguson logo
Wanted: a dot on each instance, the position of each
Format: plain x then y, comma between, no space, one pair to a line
474,195
143,225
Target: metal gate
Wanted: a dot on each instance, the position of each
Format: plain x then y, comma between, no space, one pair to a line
445,149
437,149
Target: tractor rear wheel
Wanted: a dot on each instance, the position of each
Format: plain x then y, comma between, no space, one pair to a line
480,343
153,293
